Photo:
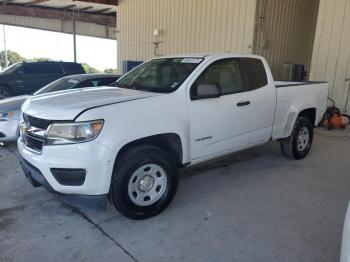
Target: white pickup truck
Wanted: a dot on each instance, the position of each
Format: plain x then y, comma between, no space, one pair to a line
127,142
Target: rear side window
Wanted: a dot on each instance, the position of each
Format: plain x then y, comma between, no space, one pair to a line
255,72
109,80
50,68
73,68
91,83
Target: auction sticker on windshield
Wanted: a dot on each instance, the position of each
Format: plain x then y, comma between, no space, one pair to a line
191,60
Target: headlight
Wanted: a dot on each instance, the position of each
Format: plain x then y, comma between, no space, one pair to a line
71,133
6,116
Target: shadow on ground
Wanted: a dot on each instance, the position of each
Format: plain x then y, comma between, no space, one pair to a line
250,206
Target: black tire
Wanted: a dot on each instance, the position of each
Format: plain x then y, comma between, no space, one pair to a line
127,164
289,145
4,92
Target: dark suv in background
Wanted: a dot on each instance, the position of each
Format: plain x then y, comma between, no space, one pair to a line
27,77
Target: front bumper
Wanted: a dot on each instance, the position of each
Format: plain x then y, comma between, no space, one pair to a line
96,159
9,130
83,201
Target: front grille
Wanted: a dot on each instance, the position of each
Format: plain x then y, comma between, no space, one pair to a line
32,142
34,132
37,122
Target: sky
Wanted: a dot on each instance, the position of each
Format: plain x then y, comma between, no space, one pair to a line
29,43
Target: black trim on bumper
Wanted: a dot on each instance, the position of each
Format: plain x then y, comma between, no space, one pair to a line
69,176
36,178
34,175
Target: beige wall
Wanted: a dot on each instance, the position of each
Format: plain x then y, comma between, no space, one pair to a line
185,26
284,32
331,54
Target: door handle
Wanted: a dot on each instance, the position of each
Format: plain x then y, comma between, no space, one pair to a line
243,103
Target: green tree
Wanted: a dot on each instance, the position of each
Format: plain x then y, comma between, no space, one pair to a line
41,59
12,57
112,71
89,69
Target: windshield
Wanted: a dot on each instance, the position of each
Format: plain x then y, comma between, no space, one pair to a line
58,85
11,68
162,75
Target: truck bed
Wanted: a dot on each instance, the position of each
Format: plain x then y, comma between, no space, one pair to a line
293,96
293,83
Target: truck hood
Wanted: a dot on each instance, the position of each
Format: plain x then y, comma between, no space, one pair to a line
12,103
68,104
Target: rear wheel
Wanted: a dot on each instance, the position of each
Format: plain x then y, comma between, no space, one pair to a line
144,182
4,92
298,144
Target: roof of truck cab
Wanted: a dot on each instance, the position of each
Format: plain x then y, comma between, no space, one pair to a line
195,55
208,55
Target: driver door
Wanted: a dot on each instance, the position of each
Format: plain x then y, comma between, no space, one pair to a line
222,124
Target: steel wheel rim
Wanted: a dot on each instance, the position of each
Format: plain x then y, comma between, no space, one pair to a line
4,94
147,184
303,138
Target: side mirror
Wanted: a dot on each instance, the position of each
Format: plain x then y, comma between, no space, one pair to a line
205,91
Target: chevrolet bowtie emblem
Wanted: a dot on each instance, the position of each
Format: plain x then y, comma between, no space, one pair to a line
24,127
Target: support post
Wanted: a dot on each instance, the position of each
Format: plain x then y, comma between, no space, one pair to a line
74,42
5,48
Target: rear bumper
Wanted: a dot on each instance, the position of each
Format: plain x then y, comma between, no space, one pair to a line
36,178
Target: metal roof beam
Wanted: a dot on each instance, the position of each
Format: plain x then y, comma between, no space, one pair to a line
102,10
35,2
62,14
84,8
103,2
67,7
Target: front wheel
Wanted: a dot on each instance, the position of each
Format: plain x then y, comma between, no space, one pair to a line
144,182
4,93
298,144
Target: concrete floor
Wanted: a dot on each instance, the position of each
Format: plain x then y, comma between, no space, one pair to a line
251,206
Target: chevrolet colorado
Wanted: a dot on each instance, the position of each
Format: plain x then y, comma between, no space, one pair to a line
170,112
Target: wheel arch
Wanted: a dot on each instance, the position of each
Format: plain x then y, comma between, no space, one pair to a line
169,142
309,112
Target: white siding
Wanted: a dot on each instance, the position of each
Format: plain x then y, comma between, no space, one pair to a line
287,27
185,26
331,54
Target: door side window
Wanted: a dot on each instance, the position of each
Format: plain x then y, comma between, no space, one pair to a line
255,72
225,73
51,69
91,83
28,69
